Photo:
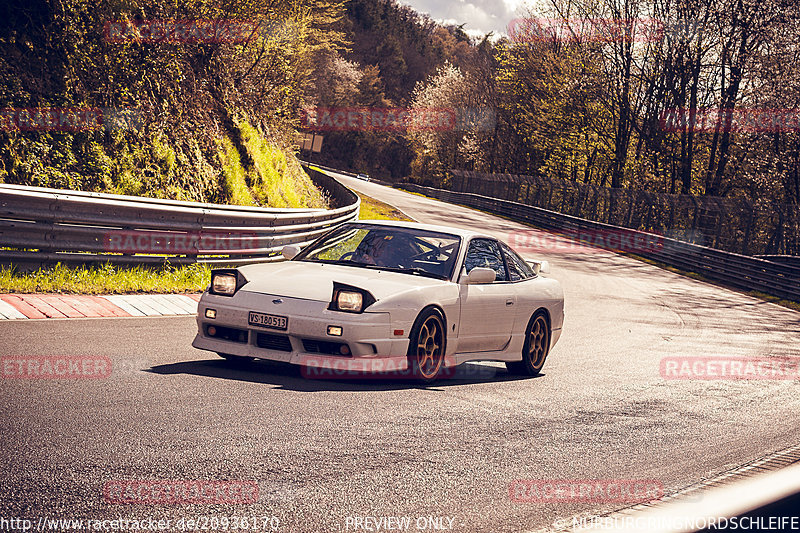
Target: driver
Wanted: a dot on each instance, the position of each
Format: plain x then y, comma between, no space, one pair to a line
381,249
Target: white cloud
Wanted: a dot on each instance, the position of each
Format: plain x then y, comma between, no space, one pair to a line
479,16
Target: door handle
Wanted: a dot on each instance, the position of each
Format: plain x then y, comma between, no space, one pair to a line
509,302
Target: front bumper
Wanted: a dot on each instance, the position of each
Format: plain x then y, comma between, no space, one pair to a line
369,337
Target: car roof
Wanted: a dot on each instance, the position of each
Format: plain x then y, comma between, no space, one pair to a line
463,233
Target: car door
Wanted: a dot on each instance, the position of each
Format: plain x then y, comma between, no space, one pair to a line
487,309
521,275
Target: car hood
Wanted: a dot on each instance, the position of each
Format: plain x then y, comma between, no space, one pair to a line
314,281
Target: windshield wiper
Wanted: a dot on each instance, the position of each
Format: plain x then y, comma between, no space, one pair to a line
412,270
349,262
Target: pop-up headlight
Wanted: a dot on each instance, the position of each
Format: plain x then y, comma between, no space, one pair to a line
350,299
225,282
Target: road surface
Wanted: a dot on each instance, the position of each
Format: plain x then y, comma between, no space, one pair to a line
328,454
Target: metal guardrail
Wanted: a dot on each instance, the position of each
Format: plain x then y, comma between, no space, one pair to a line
740,271
44,226
734,225
793,260
372,179
767,498
323,167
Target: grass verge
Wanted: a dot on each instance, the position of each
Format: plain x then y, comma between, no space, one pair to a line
372,209
105,279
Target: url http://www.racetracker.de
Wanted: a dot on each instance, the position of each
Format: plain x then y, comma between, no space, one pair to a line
187,523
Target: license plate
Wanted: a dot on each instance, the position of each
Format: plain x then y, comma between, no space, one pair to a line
267,321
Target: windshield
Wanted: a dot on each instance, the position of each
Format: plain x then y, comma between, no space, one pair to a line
406,250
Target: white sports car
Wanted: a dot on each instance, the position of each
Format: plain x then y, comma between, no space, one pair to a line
386,297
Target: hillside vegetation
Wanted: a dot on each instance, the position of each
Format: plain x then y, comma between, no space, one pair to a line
200,120
218,121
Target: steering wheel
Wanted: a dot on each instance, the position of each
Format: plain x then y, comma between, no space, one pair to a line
361,258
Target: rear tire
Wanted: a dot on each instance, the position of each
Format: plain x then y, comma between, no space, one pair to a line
535,349
427,344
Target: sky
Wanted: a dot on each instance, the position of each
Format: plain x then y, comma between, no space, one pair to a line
480,16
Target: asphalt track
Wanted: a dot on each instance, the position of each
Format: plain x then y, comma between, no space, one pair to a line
325,452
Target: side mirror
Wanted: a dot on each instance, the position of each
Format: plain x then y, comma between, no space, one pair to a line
481,275
540,267
290,251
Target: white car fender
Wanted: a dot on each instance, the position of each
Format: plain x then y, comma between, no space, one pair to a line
405,307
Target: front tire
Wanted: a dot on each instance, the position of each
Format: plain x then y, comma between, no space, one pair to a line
536,348
426,346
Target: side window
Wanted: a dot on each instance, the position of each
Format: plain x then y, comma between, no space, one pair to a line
518,268
486,254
